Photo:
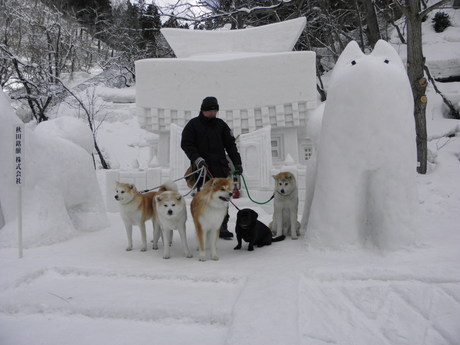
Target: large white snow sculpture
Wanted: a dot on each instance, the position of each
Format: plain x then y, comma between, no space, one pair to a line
257,78
60,190
247,70
365,191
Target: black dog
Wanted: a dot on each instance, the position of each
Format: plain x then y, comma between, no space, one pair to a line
253,231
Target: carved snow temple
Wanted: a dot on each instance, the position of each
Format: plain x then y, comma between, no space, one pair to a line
265,92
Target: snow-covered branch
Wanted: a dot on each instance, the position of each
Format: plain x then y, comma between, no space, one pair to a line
432,8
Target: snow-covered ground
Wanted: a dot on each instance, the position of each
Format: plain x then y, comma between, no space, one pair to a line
89,290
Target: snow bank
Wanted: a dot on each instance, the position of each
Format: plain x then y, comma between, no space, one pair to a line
68,128
441,49
443,55
60,189
114,95
365,189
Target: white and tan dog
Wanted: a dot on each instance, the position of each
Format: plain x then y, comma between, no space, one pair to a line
286,204
136,208
209,207
172,215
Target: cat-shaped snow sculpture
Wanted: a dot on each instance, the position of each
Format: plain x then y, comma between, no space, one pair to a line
365,190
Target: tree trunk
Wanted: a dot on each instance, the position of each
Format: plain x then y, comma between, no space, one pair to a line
104,163
415,71
373,30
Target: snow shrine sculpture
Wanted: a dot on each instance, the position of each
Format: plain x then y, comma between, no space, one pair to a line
365,191
257,78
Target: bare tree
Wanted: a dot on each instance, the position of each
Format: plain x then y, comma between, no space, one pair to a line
87,101
134,33
39,45
415,70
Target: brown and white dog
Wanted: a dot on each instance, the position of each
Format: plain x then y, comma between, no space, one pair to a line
209,207
286,204
172,215
136,208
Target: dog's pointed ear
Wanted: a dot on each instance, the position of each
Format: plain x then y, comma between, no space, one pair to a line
158,198
131,186
179,197
254,214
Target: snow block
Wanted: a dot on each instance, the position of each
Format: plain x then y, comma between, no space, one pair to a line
233,66
179,85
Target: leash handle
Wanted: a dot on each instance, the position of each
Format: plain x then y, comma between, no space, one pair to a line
201,170
197,180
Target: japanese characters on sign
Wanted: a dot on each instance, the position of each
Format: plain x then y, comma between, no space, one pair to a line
19,151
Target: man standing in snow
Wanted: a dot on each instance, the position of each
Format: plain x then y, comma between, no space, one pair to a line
205,140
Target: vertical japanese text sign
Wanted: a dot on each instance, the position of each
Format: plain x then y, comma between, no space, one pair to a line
19,148
19,176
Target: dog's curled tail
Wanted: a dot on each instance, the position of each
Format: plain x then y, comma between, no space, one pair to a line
278,239
169,186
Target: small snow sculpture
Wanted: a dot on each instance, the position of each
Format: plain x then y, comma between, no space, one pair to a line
365,189
61,195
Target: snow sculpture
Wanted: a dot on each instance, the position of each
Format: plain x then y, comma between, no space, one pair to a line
257,78
365,189
171,90
60,189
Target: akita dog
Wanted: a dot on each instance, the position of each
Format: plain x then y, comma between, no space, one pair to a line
286,204
172,215
209,208
136,208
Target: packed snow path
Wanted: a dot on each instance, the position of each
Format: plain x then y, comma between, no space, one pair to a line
90,291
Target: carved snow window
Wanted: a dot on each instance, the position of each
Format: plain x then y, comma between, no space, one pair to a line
277,148
306,151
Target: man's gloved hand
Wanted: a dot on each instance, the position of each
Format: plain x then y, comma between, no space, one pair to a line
239,169
200,162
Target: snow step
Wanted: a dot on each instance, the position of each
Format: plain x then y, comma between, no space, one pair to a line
267,311
137,297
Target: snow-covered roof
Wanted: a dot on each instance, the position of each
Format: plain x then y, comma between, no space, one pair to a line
277,37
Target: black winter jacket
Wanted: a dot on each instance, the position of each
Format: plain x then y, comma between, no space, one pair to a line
210,139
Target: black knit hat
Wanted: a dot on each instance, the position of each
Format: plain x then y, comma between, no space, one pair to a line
209,103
